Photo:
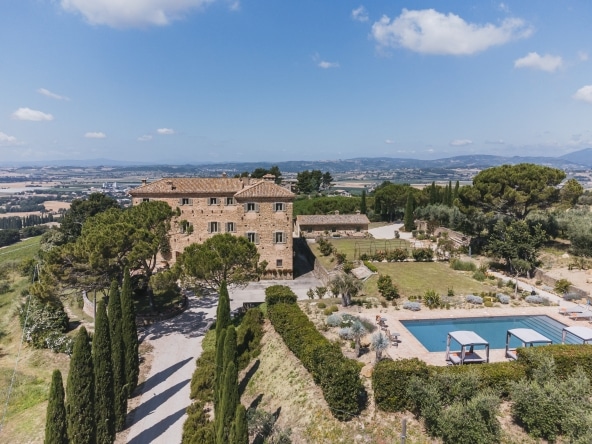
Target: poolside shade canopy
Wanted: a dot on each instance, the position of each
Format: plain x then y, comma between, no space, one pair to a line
583,333
466,339
527,336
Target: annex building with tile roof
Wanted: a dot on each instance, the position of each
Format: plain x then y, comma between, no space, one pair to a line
257,209
336,225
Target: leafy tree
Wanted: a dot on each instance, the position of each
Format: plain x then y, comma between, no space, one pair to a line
571,192
347,286
386,288
516,190
9,237
80,390
258,173
313,181
223,257
56,430
117,357
129,333
409,220
379,344
358,331
81,210
103,368
516,241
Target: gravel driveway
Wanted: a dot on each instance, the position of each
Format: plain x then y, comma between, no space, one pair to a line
160,414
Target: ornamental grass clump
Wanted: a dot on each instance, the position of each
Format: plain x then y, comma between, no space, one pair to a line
472,299
536,299
503,298
334,320
413,306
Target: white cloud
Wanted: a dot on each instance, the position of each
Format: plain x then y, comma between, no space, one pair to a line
133,13
461,142
51,95
389,141
533,60
583,56
360,14
165,131
95,135
235,6
145,138
584,94
503,7
6,140
496,142
30,114
327,65
431,32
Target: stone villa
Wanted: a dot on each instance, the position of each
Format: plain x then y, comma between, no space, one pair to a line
258,209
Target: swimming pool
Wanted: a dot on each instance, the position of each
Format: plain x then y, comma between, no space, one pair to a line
432,332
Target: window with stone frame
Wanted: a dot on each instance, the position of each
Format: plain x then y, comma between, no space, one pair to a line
279,237
230,227
213,227
279,206
252,236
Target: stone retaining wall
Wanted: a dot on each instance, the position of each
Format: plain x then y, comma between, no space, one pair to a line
540,275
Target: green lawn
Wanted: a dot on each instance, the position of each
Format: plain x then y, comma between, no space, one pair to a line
415,278
21,250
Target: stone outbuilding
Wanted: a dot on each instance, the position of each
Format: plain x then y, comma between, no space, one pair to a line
334,225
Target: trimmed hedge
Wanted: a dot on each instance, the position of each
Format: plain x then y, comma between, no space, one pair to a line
390,379
567,357
338,376
279,293
370,266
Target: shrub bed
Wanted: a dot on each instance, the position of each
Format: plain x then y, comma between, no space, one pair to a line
338,376
566,356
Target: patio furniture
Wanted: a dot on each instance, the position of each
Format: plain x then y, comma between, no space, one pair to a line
527,336
467,341
582,333
569,310
576,316
393,337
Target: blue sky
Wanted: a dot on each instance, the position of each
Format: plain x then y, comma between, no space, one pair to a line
222,80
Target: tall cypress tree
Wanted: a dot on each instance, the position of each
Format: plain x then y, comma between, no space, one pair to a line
219,373
363,208
433,193
80,392
408,218
129,333
228,403
117,357
104,398
455,192
228,391
223,309
239,433
56,429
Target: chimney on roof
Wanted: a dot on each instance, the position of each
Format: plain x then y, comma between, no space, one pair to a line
269,178
144,181
245,181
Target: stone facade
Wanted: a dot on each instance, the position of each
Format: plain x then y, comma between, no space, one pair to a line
261,211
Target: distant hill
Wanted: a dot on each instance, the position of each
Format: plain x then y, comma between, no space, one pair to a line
582,157
579,160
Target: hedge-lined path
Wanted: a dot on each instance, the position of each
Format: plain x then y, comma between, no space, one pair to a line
176,344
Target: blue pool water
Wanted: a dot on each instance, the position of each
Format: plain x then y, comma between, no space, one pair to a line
432,333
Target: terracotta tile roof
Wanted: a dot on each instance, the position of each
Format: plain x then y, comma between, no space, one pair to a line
190,185
264,188
332,219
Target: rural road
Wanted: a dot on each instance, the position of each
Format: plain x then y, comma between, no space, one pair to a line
176,343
